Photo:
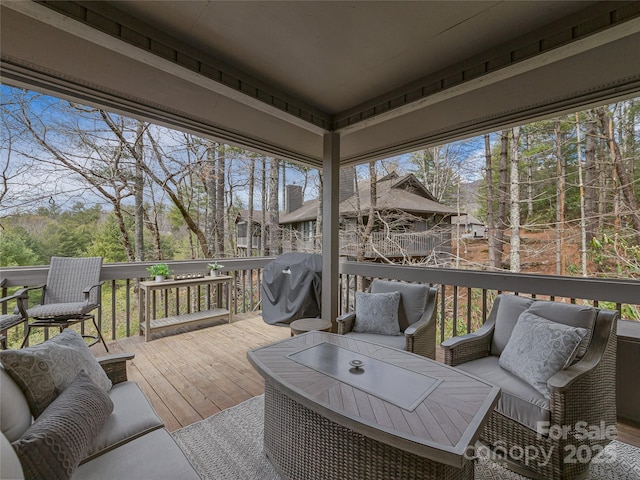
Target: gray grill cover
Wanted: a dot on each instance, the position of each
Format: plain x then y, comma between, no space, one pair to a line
290,296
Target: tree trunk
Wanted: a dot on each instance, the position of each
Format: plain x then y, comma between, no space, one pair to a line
503,187
626,183
252,173
264,228
275,248
591,177
515,203
366,230
139,193
220,181
209,183
317,242
491,227
583,222
560,200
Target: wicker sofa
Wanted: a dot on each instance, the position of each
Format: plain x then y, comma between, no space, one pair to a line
553,436
133,442
416,318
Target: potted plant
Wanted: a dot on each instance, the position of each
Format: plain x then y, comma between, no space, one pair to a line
160,271
214,268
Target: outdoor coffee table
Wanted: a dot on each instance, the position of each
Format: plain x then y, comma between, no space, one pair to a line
339,408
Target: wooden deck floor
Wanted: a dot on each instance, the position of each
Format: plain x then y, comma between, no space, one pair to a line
190,376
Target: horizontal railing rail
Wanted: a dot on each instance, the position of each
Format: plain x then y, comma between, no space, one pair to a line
465,296
118,314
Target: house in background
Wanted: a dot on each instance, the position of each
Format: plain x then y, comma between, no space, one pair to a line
242,231
409,221
467,226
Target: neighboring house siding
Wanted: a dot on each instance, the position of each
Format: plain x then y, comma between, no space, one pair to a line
421,230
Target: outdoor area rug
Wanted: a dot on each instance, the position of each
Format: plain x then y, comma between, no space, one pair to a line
228,446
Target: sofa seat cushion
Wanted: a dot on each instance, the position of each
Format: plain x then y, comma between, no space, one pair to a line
132,417
395,341
15,416
10,466
518,400
155,455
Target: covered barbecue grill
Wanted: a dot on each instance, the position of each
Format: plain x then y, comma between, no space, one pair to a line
292,288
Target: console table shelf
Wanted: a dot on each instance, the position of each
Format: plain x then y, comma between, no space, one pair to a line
149,324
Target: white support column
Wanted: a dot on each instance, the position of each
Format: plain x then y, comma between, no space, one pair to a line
330,225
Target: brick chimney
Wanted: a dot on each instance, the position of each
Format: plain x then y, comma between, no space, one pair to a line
347,183
294,198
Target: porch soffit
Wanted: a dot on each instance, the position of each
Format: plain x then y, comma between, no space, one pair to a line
275,76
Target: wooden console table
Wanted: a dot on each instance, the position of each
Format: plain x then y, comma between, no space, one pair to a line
147,316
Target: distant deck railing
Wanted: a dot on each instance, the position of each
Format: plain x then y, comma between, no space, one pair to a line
435,242
465,296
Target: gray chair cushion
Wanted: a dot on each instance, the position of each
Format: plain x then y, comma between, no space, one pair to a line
519,401
61,309
377,313
44,370
132,417
413,299
538,348
15,416
56,442
508,311
395,341
582,316
154,456
10,320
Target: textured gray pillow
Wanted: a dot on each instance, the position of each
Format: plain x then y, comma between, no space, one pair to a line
377,313
61,437
538,348
45,370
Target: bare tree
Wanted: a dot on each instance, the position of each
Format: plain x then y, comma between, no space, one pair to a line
503,193
626,183
560,198
491,226
515,202
275,247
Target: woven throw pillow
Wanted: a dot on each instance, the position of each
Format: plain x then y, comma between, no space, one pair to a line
54,445
538,348
377,313
45,370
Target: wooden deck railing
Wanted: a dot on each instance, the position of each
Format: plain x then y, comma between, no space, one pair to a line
435,242
464,303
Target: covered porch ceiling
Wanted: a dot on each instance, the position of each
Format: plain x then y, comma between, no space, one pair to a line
276,77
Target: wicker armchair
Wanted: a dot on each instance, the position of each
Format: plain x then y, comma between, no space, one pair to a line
71,294
578,419
417,318
14,316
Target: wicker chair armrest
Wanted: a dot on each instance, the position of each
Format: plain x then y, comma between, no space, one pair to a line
585,391
466,348
18,294
87,290
36,287
21,296
345,322
564,379
115,366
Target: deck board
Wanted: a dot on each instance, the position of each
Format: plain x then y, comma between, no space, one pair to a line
191,375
